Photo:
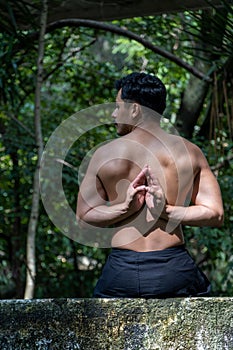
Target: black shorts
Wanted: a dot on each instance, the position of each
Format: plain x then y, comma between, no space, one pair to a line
155,274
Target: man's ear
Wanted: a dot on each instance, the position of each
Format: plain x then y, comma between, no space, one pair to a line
136,110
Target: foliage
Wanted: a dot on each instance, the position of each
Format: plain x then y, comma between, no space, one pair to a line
81,66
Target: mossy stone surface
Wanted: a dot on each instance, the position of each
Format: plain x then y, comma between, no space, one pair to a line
117,324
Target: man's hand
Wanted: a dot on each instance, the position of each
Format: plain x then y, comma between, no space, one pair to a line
135,197
155,197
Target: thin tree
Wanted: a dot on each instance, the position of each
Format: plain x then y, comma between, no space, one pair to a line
33,221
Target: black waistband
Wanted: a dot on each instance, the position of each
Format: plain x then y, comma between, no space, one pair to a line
129,252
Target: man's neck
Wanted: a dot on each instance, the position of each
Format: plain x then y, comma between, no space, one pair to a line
150,125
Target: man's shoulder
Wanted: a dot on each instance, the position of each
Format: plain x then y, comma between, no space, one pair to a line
114,159
112,149
189,145
196,154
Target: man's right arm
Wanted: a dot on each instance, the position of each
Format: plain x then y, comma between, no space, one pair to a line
206,208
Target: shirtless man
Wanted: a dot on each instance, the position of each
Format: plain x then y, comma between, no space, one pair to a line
148,184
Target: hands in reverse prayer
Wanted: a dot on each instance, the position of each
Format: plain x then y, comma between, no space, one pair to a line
146,189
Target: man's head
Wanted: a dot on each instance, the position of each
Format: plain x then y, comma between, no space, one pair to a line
145,89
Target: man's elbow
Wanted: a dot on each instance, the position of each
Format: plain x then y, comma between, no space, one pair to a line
86,221
80,218
218,218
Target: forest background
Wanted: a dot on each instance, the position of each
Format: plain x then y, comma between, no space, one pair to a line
47,73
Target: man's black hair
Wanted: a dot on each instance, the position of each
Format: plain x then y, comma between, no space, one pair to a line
145,89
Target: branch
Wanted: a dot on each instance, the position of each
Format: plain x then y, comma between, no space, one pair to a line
73,22
22,125
61,63
222,164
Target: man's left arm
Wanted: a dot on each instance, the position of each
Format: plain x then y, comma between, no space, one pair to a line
93,206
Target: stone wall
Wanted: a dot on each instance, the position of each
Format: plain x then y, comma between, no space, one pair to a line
117,324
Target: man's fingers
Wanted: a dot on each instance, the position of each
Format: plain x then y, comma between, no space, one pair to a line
140,178
140,188
134,190
152,180
144,176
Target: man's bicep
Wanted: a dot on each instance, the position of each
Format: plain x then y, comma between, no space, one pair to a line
206,190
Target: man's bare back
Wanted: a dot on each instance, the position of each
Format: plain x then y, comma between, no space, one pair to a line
177,165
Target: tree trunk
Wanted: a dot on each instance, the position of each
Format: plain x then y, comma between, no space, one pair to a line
31,258
16,236
191,106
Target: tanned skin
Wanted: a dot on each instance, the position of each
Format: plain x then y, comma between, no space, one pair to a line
147,184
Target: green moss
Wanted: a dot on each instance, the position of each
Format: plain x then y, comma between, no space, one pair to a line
117,324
